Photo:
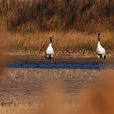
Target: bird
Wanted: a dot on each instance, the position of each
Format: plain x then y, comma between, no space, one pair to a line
49,51
100,50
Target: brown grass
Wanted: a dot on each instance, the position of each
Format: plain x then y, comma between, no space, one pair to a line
4,40
32,15
71,42
72,19
63,43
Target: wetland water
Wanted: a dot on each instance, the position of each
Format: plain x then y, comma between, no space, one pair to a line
24,81
61,65
26,85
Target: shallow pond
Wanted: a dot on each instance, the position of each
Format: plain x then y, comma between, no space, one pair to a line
61,65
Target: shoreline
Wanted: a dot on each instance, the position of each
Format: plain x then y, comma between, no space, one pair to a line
58,58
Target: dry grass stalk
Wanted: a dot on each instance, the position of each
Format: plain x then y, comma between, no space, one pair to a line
69,42
83,15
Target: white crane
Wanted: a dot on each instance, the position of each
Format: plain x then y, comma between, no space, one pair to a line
100,50
50,51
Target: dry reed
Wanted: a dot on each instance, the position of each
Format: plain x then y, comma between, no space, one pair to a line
43,15
63,43
28,17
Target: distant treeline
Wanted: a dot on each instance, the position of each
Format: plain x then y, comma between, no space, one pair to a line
43,15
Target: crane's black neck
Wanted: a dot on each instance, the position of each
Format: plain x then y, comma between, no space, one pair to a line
99,37
50,39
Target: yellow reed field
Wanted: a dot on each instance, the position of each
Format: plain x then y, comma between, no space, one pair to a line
63,42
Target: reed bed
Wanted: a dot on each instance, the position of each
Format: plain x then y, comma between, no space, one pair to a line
42,15
75,24
63,42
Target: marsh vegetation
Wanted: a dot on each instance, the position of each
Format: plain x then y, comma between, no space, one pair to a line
73,23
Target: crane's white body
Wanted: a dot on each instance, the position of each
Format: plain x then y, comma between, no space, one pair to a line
49,50
100,50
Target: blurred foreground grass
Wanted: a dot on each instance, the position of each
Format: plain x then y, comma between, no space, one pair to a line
97,99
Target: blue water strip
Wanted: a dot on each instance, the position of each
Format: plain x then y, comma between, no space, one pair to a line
60,65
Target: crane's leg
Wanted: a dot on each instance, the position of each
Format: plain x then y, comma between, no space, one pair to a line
100,56
46,55
104,56
50,58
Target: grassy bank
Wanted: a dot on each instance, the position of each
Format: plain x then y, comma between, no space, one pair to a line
75,23
63,43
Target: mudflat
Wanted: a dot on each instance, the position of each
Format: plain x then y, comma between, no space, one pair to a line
27,85
60,58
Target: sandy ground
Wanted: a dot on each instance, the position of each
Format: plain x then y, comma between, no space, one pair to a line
26,85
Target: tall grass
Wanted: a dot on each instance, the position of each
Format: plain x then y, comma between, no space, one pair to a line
43,15
63,43
36,18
